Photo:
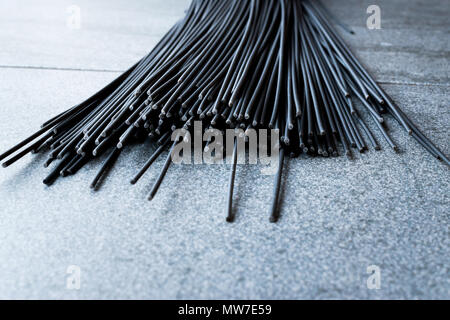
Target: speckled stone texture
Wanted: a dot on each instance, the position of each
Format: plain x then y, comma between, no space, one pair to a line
339,216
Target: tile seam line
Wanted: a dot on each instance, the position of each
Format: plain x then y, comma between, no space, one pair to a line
428,84
60,69
417,84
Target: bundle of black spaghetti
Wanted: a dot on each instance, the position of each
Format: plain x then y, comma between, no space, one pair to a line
276,64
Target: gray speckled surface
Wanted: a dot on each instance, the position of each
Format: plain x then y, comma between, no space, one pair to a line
339,216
